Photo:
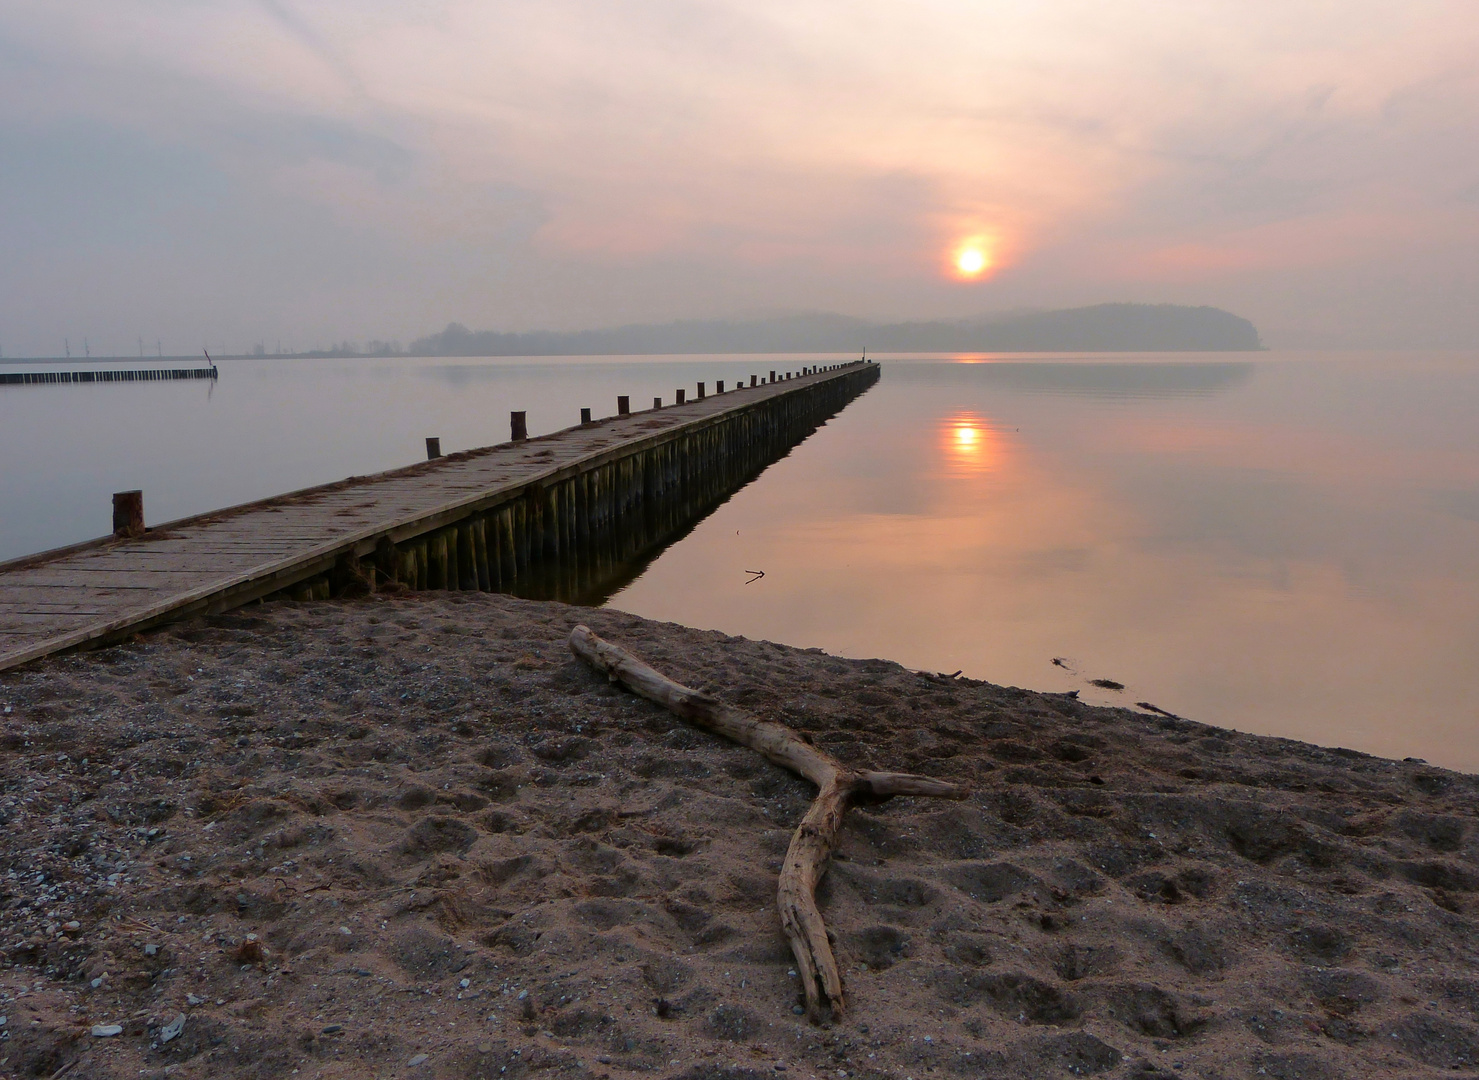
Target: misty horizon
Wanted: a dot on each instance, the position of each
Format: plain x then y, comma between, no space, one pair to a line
1104,328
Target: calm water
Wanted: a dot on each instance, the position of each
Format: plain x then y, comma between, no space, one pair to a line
1283,544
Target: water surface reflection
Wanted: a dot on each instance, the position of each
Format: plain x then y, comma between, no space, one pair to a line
1280,546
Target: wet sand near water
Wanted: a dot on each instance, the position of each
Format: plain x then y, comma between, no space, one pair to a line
414,837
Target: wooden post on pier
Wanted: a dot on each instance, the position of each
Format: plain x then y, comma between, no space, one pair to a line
433,449
772,376
678,396
754,381
128,513
623,406
657,403
719,387
700,391
585,416
517,426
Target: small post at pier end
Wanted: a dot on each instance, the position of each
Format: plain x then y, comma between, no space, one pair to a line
585,416
700,391
433,448
128,513
657,403
623,406
518,427
719,387
678,398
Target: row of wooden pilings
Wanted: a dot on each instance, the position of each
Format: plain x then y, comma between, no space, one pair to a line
581,536
54,378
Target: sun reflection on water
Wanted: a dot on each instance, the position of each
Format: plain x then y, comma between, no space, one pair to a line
970,444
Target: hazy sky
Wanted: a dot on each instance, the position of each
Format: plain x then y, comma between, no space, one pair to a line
224,172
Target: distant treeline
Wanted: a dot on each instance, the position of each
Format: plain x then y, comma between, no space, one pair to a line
1101,328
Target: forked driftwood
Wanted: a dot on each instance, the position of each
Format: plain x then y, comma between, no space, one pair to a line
812,843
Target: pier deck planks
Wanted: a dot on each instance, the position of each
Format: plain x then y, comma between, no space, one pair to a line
100,591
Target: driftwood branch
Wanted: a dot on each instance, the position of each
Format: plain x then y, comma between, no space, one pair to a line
815,837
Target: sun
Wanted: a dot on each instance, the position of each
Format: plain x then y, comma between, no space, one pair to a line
972,257
970,261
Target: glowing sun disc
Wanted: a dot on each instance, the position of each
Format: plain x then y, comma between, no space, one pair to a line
971,261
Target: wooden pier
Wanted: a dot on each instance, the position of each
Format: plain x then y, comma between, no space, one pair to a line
565,515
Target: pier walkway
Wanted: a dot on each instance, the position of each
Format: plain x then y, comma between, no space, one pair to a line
559,509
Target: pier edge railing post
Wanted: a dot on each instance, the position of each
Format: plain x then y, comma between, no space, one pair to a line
623,406
585,416
128,513
433,448
518,427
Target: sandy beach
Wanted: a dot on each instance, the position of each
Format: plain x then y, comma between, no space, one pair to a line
413,836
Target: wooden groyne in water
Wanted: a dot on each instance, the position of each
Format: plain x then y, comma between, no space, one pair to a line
569,515
60,378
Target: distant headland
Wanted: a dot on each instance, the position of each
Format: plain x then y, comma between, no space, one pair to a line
1101,328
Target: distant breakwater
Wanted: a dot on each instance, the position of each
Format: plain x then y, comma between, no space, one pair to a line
63,378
